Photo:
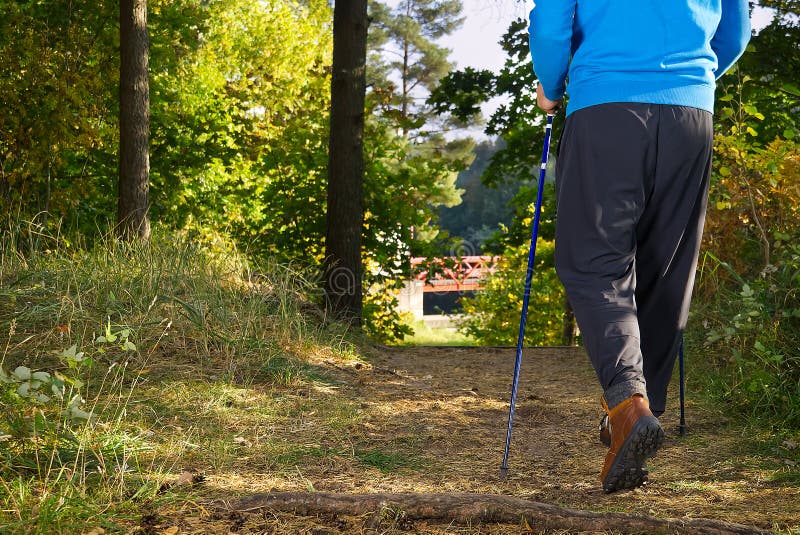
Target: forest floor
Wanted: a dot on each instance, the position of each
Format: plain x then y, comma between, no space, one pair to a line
433,420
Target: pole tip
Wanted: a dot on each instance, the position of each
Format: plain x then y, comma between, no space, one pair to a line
682,429
504,472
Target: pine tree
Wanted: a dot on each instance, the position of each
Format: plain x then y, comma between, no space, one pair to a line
406,63
343,271
134,121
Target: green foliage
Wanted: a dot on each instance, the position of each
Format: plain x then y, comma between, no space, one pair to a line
754,191
240,127
55,92
755,334
404,184
492,316
484,209
770,65
382,321
44,413
746,310
238,117
463,92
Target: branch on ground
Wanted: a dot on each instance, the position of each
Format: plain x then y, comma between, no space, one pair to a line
471,508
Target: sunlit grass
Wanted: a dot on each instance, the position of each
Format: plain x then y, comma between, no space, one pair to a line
440,336
210,367
386,461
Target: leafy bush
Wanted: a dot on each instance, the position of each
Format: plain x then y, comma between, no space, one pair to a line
492,315
747,310
753,328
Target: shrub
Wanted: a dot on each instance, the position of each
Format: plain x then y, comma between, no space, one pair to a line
492,315
752,330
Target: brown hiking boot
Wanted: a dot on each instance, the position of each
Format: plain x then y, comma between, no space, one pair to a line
635,436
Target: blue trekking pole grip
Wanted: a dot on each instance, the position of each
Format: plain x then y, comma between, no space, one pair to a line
526,297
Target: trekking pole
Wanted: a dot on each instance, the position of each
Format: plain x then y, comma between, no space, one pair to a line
682,426
528,276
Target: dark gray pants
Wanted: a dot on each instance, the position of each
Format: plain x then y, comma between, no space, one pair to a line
632,185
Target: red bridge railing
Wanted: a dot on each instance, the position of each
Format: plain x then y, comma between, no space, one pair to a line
454,274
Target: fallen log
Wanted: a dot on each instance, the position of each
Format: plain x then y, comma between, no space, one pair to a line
472,508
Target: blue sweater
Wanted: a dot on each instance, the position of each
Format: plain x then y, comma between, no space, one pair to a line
653,51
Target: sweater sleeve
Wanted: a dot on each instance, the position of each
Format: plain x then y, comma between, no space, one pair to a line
732,35
550,33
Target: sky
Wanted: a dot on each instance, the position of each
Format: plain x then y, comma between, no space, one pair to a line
475,44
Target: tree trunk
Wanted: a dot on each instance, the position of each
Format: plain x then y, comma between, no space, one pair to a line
346,161
569,328
134,121
467,508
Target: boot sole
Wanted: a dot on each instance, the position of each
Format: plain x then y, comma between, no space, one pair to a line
628,468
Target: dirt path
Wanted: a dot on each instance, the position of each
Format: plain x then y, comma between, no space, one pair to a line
432,420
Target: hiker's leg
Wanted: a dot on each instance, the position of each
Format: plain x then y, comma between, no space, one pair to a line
606,160
668,240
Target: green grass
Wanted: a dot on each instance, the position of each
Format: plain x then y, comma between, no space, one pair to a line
386,462
427,336
183,355
772,446
688,487
293,455
787,476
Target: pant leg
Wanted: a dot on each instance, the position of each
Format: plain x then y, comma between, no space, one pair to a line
632,191
668,241
605,167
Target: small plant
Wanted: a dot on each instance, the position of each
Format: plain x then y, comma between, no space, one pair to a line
62,444
44,414
285,371
39,412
